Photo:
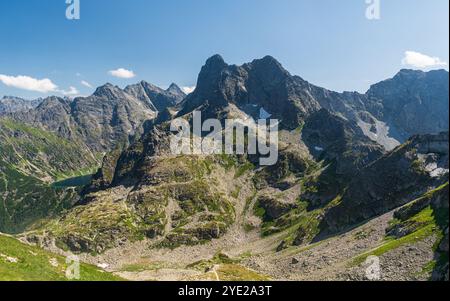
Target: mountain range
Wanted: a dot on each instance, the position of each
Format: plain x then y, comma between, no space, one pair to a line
357,175
11,104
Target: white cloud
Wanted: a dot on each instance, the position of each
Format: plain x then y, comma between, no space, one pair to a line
419,60
122,73
28,83
71,92
86,84
188,90
36,85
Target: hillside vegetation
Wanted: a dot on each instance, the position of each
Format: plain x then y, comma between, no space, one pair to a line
30,160
21,262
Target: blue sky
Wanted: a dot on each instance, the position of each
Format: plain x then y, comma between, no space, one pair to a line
327,42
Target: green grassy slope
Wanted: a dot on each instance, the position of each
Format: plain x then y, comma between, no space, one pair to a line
31,159
21,262
25,199
43,154
424,217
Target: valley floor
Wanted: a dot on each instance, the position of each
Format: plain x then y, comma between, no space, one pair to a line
242,255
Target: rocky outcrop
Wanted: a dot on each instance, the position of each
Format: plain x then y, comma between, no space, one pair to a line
263,83
176,202
441,271
103,120
274,208
436,199
421,99
104,176
108,117
157,98
11,104
392,181
413,101
339,141
433,207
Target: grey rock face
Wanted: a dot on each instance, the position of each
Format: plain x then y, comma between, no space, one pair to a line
176,91
335,139
11,104
156,98
392,181
102,120
260,84
274,208
109,116
344,149
414,101
52,114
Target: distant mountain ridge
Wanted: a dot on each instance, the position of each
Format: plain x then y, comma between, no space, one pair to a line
11,104
412,102
157,98
55,138
108,117
422,97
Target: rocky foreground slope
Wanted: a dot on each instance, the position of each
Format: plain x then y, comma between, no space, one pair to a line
20,262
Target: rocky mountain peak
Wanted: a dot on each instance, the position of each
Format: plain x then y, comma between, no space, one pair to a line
263,83
53,101
176,90
216,61
108,91
155,97
270,66
414,101
409,72
415,74
150,87
211,70
106,86
11,98
12,104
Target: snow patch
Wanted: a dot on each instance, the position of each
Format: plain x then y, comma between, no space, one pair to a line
435,171
382,135
263,114
103,265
